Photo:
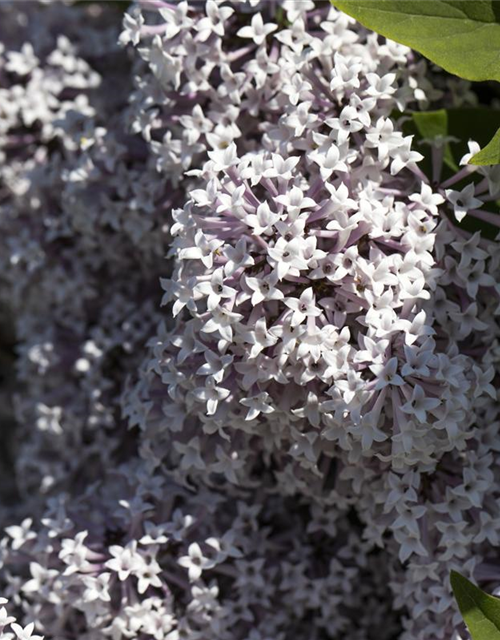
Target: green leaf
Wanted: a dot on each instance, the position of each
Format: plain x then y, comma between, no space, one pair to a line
480,611
423,125
431,124
434,124
490,154
462,36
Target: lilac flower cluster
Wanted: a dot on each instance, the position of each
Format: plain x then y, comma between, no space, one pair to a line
332,319
142,557
301,438
81,207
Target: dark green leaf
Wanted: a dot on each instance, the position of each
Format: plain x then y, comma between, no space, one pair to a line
462,36
490,154
480,611
463,124
475,123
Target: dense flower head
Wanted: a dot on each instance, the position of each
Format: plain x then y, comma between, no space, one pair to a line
300,440
306,272
313,312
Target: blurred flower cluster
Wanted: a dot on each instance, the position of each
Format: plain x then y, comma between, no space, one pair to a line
254,388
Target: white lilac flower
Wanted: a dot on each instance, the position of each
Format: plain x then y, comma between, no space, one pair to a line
257,30
463,201
5,619
195,562
25,633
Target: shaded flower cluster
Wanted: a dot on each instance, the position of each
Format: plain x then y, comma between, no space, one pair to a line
82,231
143,557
